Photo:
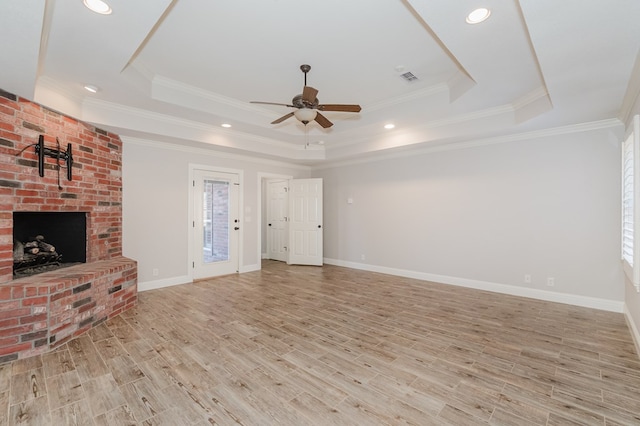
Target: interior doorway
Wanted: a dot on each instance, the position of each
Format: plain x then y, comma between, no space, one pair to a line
292,228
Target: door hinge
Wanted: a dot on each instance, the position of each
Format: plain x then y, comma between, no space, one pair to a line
286,249
193,264
194,224
286,219
236,184
286,189
194,183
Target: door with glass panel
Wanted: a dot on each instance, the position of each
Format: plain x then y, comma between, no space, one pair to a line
216,223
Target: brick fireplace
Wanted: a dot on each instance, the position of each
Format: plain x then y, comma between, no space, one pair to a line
42,311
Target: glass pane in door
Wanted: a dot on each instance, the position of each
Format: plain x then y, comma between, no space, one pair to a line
216,223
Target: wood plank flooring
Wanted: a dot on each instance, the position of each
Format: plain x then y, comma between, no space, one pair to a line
294,345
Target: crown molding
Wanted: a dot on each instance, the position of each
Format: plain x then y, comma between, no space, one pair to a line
48,83
187,96
159,81
532,104
421,150
417,94
532,96
180,122
427,127
210,152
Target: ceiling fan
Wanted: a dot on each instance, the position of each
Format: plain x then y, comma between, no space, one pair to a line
308,107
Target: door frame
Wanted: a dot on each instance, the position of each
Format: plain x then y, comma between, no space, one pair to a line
262,214
191,214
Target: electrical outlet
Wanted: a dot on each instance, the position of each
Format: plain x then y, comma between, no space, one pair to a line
551,281
362,257
527,279
155,272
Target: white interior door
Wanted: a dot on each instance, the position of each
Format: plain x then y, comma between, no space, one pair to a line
305,222
277,208
216,223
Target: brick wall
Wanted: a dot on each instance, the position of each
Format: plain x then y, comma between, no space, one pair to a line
96,187
37,313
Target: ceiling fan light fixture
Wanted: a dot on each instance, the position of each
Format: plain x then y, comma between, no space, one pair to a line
305,115
478,15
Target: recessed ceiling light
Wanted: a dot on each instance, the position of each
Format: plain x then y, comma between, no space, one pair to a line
226,125
389,126
478,15
98,6
91,88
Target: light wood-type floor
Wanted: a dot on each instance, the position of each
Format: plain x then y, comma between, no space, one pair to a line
324,346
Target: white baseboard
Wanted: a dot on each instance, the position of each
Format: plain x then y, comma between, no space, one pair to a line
550,296
632,327
167,282
250,268
265,255
184,279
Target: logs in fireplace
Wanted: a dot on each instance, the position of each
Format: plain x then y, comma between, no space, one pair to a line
44,241
34,256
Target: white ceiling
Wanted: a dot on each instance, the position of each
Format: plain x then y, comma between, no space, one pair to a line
175,70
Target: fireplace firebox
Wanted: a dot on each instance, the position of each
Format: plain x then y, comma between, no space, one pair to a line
44,241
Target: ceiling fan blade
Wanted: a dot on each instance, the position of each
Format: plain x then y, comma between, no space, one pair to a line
270,103
309,94
339,107
322,120
281,119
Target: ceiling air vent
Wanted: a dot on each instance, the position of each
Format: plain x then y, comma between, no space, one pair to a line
408,76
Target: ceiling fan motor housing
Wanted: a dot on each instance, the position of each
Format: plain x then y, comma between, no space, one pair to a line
298,102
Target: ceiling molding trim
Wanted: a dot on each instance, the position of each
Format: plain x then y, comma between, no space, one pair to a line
532,104
179,122
52,85
418,94
150,34
160,82
632,94
51,94
530,97
532,49
118,116
139,77
408,4
49,6
459,84
210,152
426,127
537,134
476,115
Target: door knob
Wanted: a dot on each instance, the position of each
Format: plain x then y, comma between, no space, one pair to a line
269,224
319,226
236,228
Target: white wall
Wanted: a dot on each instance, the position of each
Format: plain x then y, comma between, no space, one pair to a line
156,211
487,216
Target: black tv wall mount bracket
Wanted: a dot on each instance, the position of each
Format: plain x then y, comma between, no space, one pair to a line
60,155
